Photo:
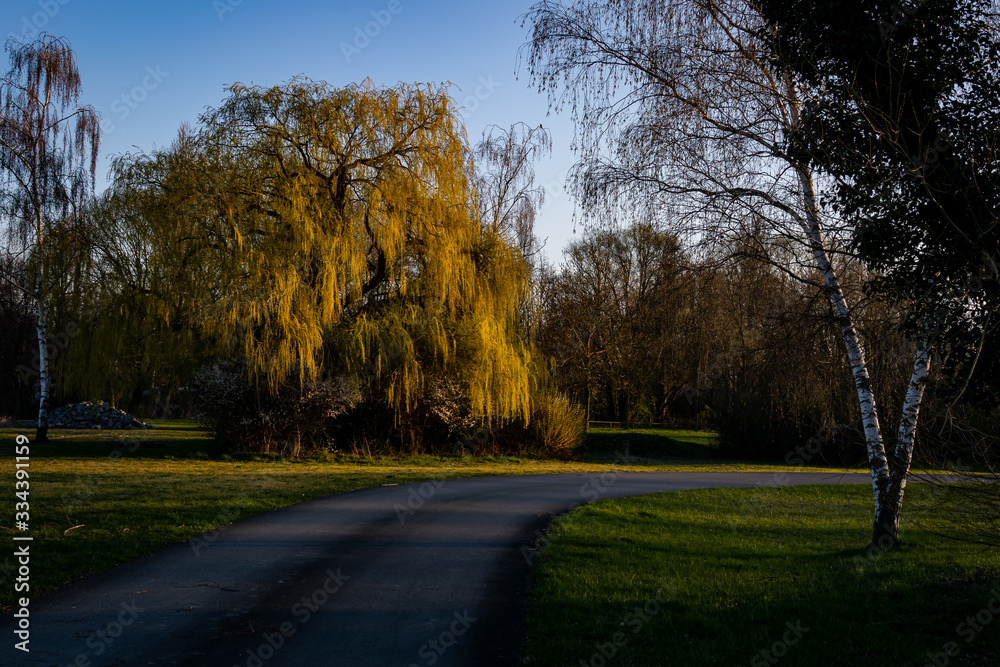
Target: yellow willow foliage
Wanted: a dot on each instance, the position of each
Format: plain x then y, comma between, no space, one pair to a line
301,209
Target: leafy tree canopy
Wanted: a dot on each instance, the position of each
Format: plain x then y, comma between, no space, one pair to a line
903,111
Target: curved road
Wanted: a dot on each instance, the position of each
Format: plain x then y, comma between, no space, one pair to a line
409,575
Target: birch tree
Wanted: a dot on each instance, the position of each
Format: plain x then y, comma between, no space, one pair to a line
903,115
678,108
48,160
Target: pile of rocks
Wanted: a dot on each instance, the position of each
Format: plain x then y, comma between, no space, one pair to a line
94,415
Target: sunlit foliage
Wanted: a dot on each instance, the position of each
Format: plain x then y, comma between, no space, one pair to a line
304,228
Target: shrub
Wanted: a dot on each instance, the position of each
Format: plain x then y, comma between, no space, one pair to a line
558,425
291,421
556,428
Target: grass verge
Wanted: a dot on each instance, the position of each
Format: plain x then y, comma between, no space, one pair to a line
758,577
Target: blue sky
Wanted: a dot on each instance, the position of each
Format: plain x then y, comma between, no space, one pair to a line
147,67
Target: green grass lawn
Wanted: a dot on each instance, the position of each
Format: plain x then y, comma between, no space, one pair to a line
653,444
758,577
98,498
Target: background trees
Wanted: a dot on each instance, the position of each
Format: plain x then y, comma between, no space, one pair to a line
17,337
607,318
48,158
506,194
507,199
727,339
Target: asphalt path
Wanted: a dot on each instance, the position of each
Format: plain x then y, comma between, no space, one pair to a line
432,573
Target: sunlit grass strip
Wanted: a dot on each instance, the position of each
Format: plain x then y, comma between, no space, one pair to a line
756,577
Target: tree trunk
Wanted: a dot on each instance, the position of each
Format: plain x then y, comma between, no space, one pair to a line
587,382
890,487
697,398
878,463
888,478
609,392
855,352
625,409
886,513
41,329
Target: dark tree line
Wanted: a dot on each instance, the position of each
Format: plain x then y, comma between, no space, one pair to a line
644,330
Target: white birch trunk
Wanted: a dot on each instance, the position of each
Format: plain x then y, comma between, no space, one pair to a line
911,405
41,330
888,511
888,480
877,460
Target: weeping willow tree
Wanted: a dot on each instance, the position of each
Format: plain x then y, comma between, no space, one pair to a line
306,229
